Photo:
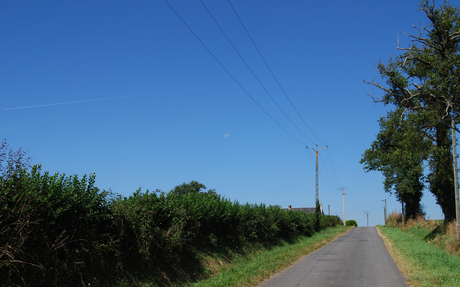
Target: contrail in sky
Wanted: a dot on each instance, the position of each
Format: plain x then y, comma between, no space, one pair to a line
68,103
106,99
160,93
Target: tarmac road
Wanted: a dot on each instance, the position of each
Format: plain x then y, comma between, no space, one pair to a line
358,258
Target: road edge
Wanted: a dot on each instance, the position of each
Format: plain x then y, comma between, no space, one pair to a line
312,249
400,262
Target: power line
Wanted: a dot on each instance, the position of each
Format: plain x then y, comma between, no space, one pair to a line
321,174
316,149
268,67
247,93
225,69
365,209
333,169
327,173
355,201
249,68
324,181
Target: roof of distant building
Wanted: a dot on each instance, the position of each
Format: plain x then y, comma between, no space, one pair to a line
304,209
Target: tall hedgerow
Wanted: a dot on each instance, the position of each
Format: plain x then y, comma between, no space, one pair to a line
158,227
54,229
59,230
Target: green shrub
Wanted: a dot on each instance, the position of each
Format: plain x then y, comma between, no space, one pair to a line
59,230
351,222
54,229
329,221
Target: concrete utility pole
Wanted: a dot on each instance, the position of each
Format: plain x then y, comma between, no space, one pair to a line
316,149
367,212
402,212
343,204
385,212
454,156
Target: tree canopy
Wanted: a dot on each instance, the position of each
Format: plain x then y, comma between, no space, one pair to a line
423,85
192,187
399,153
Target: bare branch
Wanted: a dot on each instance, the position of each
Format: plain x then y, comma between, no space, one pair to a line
377,85
402,116
446,115
454,35
374,99
419,37
410,94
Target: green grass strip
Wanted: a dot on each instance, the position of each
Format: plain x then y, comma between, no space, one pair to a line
252,270
422,263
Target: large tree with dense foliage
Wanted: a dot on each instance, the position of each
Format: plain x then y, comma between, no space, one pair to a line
399,152
423,83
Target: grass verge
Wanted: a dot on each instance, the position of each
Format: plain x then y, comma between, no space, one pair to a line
421,262
252,268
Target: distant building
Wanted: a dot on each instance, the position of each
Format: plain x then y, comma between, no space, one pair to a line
304,209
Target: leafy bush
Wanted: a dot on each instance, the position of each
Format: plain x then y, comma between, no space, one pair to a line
330,221
54,229
351,222
59,230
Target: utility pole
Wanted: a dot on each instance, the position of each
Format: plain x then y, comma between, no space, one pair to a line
385,213
316,149
343,204
367,212
454,156
402,212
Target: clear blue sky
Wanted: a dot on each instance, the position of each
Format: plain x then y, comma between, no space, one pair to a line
125,90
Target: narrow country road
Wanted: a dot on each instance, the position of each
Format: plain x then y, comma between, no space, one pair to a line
359,258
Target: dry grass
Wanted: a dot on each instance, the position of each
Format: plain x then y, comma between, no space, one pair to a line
403,265
422,263
436,232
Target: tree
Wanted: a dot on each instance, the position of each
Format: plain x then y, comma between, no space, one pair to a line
12,162
424,80
399,152
192,187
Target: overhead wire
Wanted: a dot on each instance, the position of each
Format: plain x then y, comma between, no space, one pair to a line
252,72
282,89
366,209
333,169
273,75
323,181
327,173
246,92
354,200
324,167
228,72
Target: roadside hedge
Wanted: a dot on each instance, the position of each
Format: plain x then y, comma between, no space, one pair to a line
59,230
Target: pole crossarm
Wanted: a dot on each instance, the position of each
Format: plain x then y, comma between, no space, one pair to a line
317,148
